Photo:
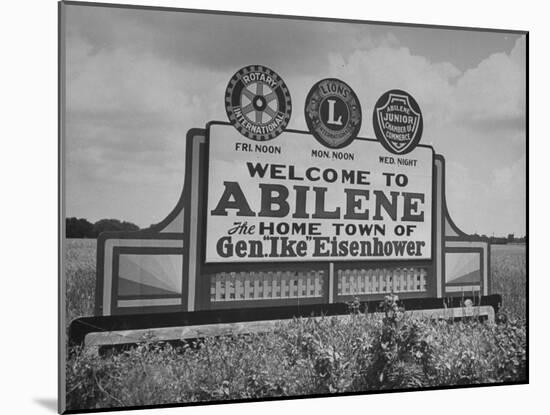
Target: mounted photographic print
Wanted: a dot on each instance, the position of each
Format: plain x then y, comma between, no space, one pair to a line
258,207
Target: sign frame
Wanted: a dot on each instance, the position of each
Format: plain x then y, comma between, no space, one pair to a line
186,223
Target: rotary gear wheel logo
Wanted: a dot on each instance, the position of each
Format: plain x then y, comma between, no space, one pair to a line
257,102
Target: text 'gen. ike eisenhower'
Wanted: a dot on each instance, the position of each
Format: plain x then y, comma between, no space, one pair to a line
300,236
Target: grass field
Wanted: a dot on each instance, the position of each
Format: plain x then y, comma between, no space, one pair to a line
80,273
303,356
509,277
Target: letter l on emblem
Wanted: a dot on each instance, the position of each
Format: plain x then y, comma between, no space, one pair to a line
331,119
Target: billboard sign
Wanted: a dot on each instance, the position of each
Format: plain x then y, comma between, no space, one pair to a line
292,199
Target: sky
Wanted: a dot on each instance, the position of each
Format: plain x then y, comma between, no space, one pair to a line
138,80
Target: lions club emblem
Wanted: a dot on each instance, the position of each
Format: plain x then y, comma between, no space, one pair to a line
397,121
333,113
257,102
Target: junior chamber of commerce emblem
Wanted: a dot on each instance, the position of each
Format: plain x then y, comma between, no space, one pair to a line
397,121
257,102
333,113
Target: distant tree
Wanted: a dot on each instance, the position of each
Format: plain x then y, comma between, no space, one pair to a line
498,240
510,237
478,237
78,228
109,225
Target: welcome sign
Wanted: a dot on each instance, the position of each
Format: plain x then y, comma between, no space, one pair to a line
292,199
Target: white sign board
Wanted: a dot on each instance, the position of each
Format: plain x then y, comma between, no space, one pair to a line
291,199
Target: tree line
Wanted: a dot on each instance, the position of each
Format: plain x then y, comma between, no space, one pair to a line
82,228
509,239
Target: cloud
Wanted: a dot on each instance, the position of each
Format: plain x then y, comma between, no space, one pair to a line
127,109
226,42
118,80
372,72
475,118
491,95
494,91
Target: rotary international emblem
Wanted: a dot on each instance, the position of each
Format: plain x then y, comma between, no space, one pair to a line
333,113
257,102
397,121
